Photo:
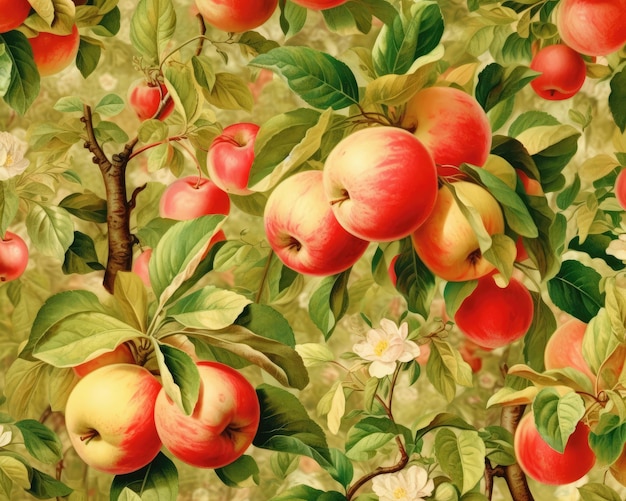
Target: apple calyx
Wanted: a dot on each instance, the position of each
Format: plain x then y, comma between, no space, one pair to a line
474,256
294,244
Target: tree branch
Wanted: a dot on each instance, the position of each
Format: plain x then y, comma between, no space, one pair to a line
513,474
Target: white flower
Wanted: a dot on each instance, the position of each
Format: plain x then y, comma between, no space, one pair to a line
5,436
12,161
411,484
386,346
617,248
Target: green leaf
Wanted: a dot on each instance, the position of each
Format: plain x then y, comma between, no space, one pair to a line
41,442
367,436
50,228
12,470
203,71
461,456
88,56
131,299
607,439
181,88
414,280
152,26
317,77
443,419
541,328
110,132
86,206
43,486
9,205
286,426
110,105
24,86
292,18
230,92
496,83
498,445
576,290
308,493
267,322
179,375
617,99
394,90
556,416
256,43
69,104
598,492
342,470
329,302
239,471
446,368
157,481
566,197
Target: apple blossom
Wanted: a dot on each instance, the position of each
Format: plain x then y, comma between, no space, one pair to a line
411,484
12,161
385,347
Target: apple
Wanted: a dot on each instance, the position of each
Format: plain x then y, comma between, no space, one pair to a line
14,13
191,197
447,244
381,183
234,15
542,463
493,316
145,99
53,53
110,418
230,157
452,125
620,188
302,230
319,4
122,354
592,27
13,257
565,348
221,426
563,72
468,350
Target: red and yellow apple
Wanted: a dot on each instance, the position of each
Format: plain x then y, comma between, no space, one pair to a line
592,27
563,72
146,99
110,418
302,230
13,257
53,53
191,197
230,157
234,15
544,464
221,426
452,125
381,183
122,354
493,316
319,4
14,13
565,348
620,188
446,242
141,265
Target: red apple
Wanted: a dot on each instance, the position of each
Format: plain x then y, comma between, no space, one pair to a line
543,464
13,257
222,425
381,183
110,418
235,15
230,157
191,197
468,349
620,188
565,348
145,99
592,27
452,125
563,72
446,242
493,316
53,53
301,228
14,13
532,187
122,354
141,266
319,4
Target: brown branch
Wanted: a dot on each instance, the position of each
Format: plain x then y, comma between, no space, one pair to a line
118,207
513,474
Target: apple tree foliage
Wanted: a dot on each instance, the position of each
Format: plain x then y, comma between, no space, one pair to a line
90,196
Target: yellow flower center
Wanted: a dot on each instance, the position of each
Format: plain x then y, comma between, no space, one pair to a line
9,160
381,347
399,493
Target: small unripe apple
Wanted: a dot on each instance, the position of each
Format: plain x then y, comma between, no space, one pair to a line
191,197
493,316
234,15
53,53
146,99
13,257
221,426
446,242
230,157
565,348
563,72
14,13
543,464
110,418
122,354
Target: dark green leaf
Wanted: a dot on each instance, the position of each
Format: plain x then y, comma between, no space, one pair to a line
81,257
40,441
617,99
239,471
607,439
557,416
158,481
292,17
88,57
180,376
267,322
541,328
43,486
414,280
329,302
25,80
86,206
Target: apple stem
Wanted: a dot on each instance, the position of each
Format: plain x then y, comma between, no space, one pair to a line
344,196
89,436
294,244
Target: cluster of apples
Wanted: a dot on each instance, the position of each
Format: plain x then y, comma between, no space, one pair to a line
119,417
589,27
52,52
